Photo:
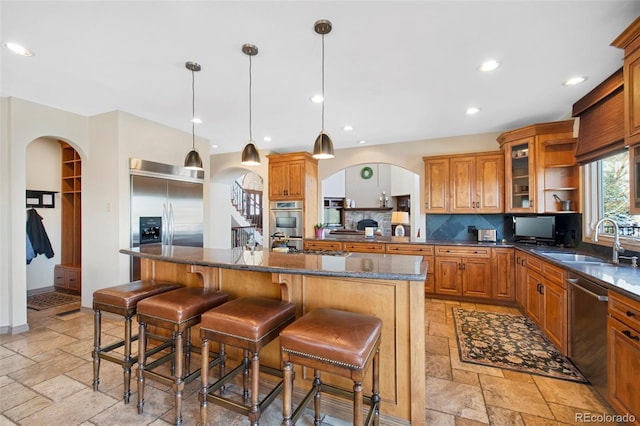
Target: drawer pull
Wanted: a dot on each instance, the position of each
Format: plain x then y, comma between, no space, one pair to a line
628,334
630,314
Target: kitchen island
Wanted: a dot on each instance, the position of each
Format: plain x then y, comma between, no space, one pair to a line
390,287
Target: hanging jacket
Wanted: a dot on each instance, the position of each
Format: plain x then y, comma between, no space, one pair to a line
38,235
30,253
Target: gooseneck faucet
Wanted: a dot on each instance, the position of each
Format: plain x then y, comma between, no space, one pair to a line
617,248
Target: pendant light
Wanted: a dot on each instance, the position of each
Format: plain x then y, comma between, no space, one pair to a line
323,148
193,160
250,154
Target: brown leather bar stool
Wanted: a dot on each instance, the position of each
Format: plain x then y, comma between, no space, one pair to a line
176,311
248,323
337,342
121,300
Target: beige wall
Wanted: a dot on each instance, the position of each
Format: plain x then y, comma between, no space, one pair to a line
105,143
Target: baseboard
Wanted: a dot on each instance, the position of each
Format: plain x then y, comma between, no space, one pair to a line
6,329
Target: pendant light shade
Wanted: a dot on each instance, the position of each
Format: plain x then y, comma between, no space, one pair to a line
323,147
250,154
193,160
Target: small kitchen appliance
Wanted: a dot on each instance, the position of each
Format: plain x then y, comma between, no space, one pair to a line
487,235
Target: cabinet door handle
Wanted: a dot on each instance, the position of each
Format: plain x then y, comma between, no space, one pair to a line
630,336
524,262
630,314
426,205
531,203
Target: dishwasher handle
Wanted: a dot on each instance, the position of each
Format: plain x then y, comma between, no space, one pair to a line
574,282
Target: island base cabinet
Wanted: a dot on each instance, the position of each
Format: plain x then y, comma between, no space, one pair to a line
398,303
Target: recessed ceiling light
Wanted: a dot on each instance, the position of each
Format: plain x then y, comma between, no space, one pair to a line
18,49
574,80
489,65
473,110
267,138
317,99
196,120
362,142
214,146
347,128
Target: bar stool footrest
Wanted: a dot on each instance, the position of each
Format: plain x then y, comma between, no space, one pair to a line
237,406
334,390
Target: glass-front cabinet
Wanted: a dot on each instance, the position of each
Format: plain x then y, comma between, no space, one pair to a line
520,176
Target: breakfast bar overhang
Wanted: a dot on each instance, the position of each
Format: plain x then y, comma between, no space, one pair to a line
390,287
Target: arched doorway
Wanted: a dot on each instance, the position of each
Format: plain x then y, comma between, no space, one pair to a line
371,191
53,179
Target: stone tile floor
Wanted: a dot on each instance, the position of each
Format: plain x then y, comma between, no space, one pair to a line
46,374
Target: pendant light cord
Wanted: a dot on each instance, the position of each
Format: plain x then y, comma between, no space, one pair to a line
323,98
193,110
250,130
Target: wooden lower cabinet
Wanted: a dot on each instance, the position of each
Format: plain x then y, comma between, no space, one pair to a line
535,301
371,247
426,251
623,355
463,271
546,300
521,278
67,278
322,245
503,260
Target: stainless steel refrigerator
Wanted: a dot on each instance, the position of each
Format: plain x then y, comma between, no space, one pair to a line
166,206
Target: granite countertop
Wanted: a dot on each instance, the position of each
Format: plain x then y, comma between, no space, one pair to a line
351,265
621,278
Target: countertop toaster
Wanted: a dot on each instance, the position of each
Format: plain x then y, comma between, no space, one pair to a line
487,235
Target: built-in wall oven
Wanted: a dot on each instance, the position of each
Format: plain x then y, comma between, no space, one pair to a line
286,217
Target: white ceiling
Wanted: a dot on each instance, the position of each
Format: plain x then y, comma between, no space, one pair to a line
395,70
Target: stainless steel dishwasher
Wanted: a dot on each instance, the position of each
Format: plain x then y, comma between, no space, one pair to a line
588,330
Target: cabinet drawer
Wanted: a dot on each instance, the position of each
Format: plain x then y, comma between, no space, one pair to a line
58,277
365,247
323,245
534,264
410,249
463,251
554,274
624,309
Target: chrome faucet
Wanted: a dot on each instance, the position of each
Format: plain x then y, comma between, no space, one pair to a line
617,248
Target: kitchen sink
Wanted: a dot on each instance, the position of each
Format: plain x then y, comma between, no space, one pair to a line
573,257
587,262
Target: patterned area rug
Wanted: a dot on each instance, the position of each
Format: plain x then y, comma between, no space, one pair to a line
512,342
52,299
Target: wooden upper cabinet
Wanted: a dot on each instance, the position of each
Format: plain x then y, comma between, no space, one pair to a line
294,176
539,162
629,40
490,183
463,194
464,183
436,173
286,180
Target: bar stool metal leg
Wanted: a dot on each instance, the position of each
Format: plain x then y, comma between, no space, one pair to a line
96,348
128,361
142,359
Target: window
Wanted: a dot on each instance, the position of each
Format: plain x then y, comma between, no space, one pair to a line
607,195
